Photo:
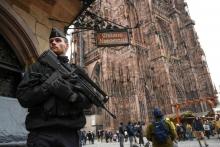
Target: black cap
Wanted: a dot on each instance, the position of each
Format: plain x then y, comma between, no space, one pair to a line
56,33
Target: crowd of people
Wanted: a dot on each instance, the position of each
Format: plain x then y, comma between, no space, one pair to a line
132,132
198,128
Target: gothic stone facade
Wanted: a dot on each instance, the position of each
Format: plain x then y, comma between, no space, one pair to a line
163,66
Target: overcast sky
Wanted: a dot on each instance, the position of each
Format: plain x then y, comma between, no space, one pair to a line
206,14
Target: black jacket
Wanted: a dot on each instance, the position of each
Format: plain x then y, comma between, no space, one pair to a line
45,109
197,125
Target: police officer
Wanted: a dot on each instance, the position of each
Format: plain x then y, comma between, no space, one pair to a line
55,110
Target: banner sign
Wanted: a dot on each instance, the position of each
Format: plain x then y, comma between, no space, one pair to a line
110,38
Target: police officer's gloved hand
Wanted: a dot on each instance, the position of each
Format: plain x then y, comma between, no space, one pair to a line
74,97
77,97
61,89
81,101
73,79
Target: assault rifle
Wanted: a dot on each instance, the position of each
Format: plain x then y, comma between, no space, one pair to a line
89,88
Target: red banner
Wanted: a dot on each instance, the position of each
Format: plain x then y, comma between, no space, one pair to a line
112,38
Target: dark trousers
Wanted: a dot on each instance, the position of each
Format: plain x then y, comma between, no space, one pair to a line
53,138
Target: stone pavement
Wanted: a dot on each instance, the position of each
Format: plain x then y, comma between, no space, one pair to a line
213,142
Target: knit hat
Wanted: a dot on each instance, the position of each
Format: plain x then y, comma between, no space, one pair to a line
157,113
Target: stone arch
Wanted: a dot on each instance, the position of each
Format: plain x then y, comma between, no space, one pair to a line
165,33
18,34
96,73
95,76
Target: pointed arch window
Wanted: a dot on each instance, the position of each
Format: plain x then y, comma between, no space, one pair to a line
10,68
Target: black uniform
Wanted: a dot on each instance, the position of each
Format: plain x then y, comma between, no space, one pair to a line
52,120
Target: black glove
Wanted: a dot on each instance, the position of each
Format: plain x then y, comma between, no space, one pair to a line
73,79
77,97
61,89
83,101
74,97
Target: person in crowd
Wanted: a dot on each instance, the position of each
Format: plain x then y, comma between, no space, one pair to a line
126,135
121,130
117,133
175,142
89,136
199,131
189,134
107,136
93,137
102,135
98,134
140,133
207,129
178,131
212,127
130,131
110,134
135,131
181,131
115,137
217,126
160,126
53,104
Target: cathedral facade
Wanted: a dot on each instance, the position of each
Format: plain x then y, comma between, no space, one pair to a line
163,66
